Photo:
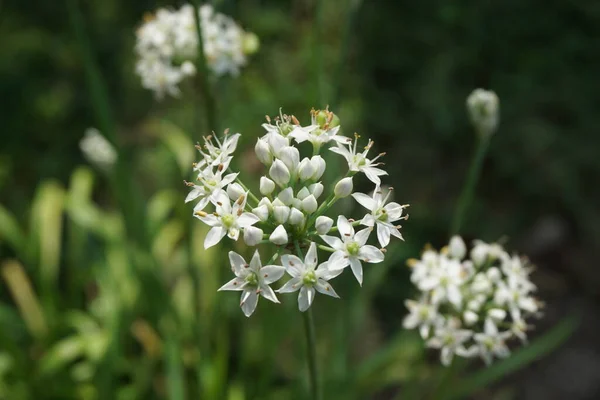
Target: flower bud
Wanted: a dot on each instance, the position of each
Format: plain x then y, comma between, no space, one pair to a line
286,196
188,68
306,169
296,217
297,203
479,253
263,152
457,248
482,106
266,202
470,317
262,212
250,43
319,165
266,186
235,190
281,214
303,193
316,189
279,173
290,157
309,204
252,235
343,188
493,274
279,236
497,313
277,143
323,224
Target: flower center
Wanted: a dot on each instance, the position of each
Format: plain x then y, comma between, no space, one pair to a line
251,279
227,220
382,215
424,313
309,278
353,248
359,160
211,182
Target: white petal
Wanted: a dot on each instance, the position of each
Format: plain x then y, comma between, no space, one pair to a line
214,236
364,200
370,254
333,241
357,269
293,265
362,236
291,286
411,321
271,273
394,211
454,295
234,284
255,263
371,176
249,301
324,272
338,260
446,356
247,219
310,261
237,263
344,227
368,220
196,192
383,235
305,298
324,287
267,293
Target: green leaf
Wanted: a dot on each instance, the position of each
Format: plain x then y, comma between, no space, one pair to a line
11,232
519,359
159,208
61,354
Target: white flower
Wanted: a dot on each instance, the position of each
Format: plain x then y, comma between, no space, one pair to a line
515,295
358,162
491,342
227,220
307,277
445,281
252,279
219,153
343,188
97,149
323,224
421,314
210,187
450,339
252,235
351,249
279,236
280,173
382,215
318,136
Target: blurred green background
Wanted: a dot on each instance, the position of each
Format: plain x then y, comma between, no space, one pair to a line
98,314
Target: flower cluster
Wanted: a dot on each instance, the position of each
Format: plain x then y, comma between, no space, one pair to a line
471,305
290,212
167,45
483,108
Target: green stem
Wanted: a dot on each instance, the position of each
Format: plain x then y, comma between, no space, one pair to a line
468,190
309,330
210,113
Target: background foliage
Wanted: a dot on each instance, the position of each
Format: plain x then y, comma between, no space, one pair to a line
88,322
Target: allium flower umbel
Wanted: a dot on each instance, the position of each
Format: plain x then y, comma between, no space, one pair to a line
471,304
167,45
289,216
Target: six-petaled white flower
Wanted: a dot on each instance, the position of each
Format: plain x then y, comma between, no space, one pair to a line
253,279
308,277
351,249
358,162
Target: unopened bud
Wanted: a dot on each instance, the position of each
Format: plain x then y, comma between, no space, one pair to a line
316,189
263,152
290,157
266,186
483,106
457,248
319,166
309,204
235,191
279,236
323,224
306,169
343,188
252,235
497,313
279,173
262,212
281,214
296,217
470,317
286,196
303,193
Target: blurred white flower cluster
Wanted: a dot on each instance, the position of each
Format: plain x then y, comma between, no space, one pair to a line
483,108
167,46
471,305
290,212
98,151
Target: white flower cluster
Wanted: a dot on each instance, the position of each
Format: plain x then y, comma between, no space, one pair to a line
471,306
167,45
291,212
97,149
483,108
